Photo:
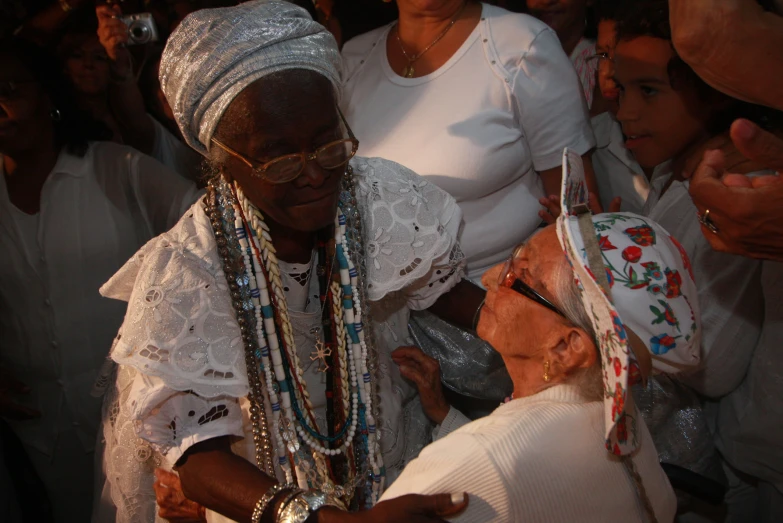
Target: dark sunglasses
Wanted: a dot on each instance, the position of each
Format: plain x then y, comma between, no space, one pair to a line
509,280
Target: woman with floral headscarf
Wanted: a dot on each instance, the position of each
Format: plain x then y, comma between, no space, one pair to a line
574,317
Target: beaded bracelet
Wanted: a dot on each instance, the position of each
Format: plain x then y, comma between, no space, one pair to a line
262,503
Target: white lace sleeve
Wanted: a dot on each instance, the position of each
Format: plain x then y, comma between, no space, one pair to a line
180,325
410,229
172,421
145,426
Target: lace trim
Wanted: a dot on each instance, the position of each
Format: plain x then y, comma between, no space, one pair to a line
180,324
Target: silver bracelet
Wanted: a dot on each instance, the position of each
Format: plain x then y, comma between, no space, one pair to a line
304,503
262,503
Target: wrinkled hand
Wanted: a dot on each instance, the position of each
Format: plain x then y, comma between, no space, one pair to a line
552,207
733,160
411,508
425,373
113,34
748,212
172,503
9,408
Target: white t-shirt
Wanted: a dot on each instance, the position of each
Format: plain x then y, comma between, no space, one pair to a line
539,459
502,107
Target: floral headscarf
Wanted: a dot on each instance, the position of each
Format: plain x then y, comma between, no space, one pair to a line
644,305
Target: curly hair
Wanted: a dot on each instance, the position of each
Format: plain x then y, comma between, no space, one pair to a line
651,18
74,128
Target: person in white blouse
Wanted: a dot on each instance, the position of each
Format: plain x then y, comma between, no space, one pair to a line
72,211
478,100
570,445
302,257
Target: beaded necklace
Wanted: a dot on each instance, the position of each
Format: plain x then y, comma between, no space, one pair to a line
303,454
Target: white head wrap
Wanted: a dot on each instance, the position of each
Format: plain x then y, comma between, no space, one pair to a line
216,53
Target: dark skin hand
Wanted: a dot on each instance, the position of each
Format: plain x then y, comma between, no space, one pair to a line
291,112
424,372
228,484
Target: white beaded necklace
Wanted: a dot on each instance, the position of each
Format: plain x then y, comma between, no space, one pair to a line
351,347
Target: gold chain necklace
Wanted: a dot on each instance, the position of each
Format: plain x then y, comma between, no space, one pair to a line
408,71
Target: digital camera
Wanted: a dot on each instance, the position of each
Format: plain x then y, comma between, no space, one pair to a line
141,28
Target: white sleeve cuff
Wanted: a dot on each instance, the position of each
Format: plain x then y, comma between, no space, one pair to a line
453,420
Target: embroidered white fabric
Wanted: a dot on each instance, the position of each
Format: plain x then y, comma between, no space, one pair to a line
182,372
180,324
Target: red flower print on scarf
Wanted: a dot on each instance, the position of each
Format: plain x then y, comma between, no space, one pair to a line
634,373
618,405
667,314
632,254
662,344
673,284
685,260
643,235
605,244
652,270
618,366
633,280
622,430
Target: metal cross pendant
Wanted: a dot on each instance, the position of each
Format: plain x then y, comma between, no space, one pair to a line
321,351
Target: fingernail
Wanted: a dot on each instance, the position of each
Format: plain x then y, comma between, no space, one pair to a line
745,129
458,498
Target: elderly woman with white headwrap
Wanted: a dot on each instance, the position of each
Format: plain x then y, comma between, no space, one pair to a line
255,355
579,313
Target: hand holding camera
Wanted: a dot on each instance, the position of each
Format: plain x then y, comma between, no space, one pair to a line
137,28
116,31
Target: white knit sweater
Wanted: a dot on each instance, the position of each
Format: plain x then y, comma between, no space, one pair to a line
540,459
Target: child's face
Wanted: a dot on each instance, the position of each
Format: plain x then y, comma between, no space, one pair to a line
604,46
659,122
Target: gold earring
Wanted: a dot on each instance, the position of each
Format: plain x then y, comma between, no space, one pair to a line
546,371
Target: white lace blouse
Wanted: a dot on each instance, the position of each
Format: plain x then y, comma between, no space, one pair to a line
182,376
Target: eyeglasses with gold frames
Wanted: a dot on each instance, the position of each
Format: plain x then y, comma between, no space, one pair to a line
508,279
287,168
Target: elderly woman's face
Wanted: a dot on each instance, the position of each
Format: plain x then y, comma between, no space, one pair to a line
517,326
272,118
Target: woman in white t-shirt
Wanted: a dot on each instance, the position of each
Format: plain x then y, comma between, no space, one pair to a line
478,100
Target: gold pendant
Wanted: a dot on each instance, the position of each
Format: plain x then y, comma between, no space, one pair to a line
408,71
321,351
